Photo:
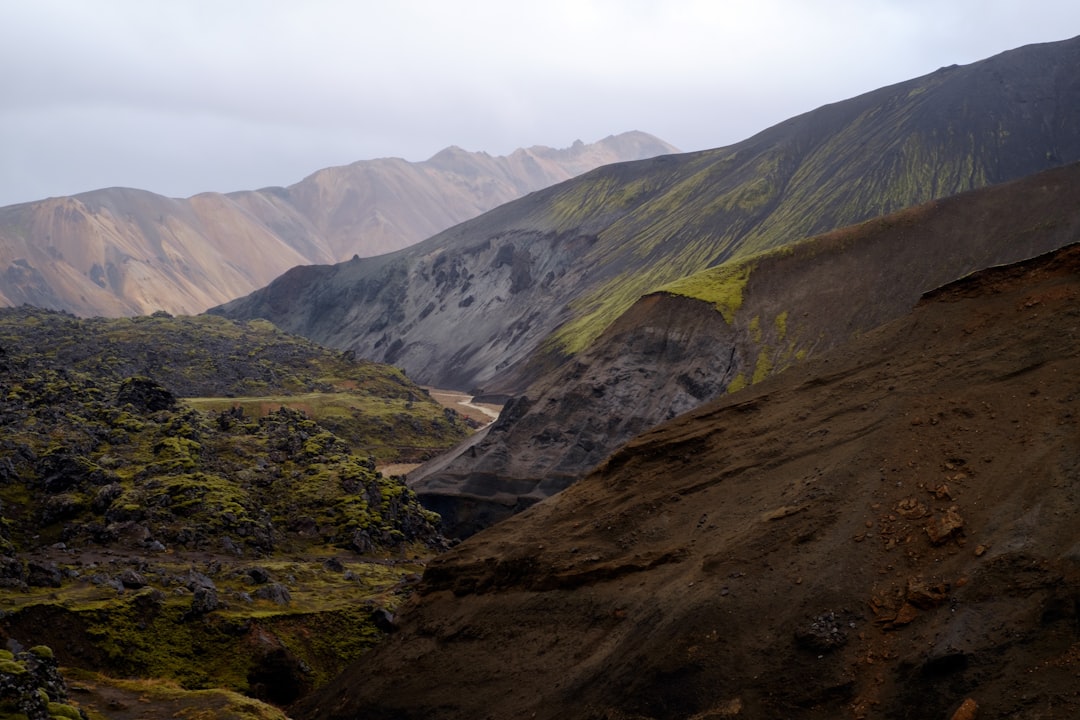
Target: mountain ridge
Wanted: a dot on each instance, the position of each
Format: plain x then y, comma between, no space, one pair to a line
123,251
493,303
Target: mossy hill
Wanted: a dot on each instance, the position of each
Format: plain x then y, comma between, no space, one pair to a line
495,302
94,448
143,536
219,364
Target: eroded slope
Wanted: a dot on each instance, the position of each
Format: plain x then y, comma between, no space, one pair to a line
885,532
728,327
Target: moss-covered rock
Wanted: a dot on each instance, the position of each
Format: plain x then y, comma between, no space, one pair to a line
31,687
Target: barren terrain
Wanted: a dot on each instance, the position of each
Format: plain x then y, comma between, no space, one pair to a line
886,532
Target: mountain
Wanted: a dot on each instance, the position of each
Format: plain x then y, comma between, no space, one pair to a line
731,326
493,303
886,531
129,252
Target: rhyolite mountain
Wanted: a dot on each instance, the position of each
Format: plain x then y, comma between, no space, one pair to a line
886,531
493,303
730,326
121,251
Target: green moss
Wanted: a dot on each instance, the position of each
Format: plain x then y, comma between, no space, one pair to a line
764,365
780,325
737,383
723,286
163,643
60,710
11,667
318,639
42,651
168,697
755,329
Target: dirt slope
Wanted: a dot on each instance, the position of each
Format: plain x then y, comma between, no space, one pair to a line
884,532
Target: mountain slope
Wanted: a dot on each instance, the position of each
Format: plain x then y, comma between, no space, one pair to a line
733,325
128,252
470,307
884,532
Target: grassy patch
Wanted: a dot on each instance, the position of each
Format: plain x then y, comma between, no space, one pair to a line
722,286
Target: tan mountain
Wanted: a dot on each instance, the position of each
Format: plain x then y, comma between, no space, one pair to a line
121,251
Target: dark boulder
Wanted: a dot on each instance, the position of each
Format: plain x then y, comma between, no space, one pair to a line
145,394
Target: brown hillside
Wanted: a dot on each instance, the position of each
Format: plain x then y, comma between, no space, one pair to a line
886,532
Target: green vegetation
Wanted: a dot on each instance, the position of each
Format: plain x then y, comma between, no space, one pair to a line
780,323
723,286
226,542
173,700
222,364
708,211
31,686
764,365
83,469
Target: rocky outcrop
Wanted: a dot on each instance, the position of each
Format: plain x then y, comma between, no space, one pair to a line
662,359
671,353
766,555
129,252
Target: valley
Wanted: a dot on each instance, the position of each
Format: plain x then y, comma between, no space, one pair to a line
882,532
467,405
782,429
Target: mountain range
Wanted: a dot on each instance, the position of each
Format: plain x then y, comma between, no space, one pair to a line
491,304
539,298
121,251
725,328
790,431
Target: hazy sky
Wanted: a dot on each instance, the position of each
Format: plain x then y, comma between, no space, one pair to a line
183,96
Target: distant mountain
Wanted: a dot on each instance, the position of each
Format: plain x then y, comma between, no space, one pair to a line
494,303
735,325
129,252
888,531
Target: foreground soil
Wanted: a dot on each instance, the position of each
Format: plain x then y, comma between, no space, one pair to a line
886,532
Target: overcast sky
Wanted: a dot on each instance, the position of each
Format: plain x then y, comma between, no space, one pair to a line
184,96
